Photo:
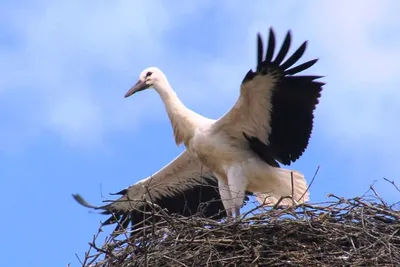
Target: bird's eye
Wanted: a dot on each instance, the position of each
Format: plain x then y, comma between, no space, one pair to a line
148,74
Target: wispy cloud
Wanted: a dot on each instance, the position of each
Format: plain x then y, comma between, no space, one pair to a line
361,55
66,64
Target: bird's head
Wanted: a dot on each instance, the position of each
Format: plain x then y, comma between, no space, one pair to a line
150,77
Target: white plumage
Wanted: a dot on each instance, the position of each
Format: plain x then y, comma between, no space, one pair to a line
271,121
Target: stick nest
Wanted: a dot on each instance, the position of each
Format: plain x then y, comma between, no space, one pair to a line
343,232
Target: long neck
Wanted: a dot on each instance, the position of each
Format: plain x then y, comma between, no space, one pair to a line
183,120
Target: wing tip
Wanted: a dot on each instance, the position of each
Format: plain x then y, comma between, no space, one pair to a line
78,198
121,192
271,31
294,57
262,63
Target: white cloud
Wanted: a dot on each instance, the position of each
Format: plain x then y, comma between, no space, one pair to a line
62,54
77,117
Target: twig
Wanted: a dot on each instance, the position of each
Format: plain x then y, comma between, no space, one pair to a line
312,181
393,183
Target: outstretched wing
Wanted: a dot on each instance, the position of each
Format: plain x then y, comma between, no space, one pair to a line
182,187
274,112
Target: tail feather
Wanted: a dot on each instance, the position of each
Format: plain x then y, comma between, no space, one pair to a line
281,186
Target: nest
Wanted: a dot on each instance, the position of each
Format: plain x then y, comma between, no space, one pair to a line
342,232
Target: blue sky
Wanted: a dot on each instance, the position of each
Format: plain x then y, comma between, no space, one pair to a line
66,128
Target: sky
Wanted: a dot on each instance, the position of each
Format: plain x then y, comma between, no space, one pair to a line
66,128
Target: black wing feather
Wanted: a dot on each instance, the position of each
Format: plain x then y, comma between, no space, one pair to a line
294,100
295,57
202,200
301,67
271,46
259,52
284,49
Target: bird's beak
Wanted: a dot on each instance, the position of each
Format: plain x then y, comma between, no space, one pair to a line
139,86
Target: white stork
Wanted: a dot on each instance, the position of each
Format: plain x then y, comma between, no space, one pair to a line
271,122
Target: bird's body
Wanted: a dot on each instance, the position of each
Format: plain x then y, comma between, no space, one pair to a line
271,122
227,155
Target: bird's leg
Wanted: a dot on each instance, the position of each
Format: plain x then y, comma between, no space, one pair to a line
237,185
225,197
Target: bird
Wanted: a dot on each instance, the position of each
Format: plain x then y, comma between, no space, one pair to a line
241,152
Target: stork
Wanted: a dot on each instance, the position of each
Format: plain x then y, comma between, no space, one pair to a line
270,123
